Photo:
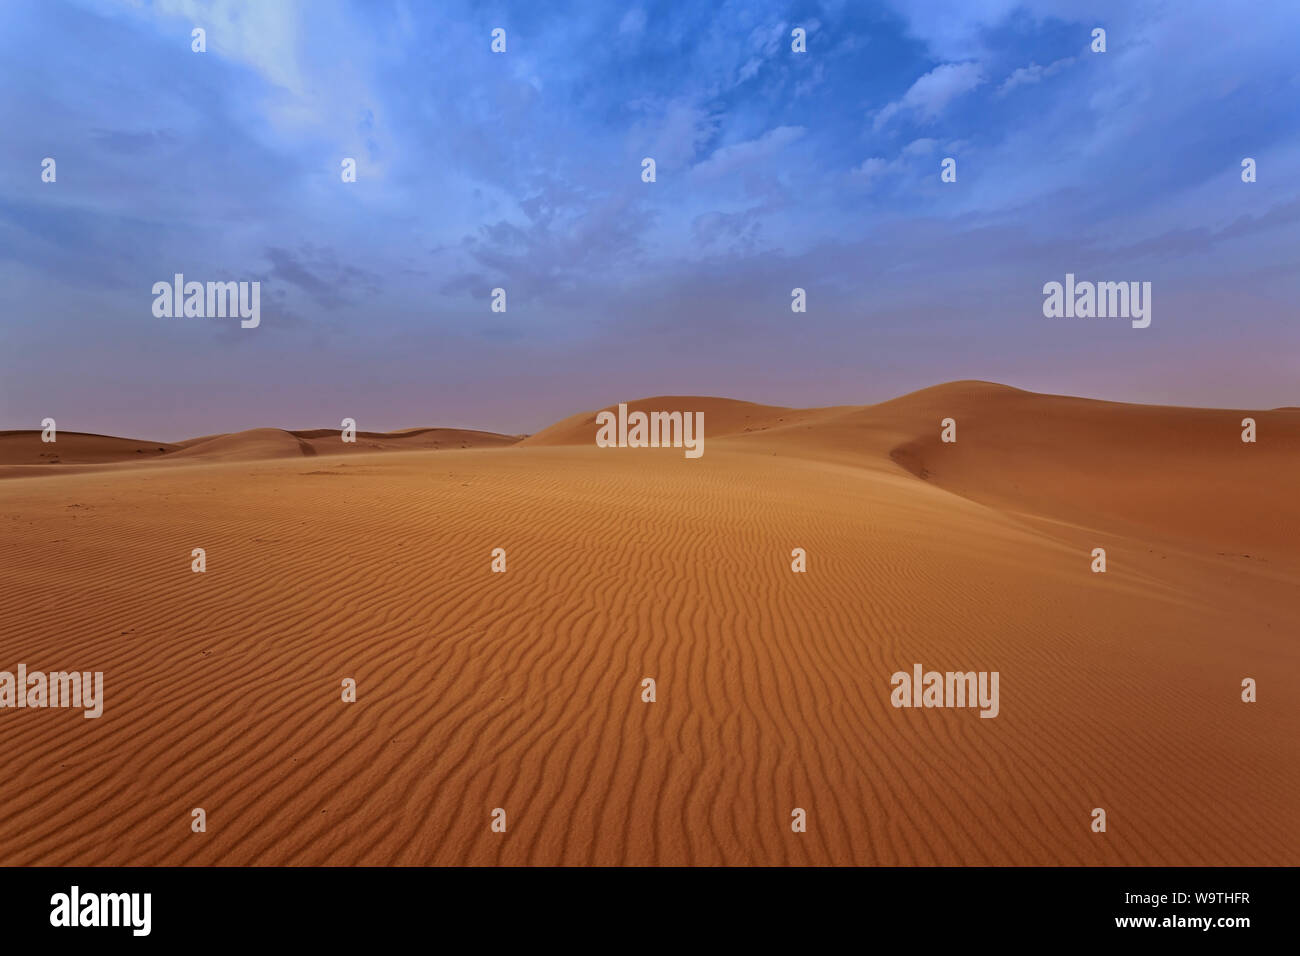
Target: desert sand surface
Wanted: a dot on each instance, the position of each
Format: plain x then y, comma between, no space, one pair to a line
522,690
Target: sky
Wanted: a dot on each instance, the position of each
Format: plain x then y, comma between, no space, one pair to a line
522,170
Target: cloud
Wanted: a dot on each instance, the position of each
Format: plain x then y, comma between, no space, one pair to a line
563,255
766,40
728,158
673,133
931,94
263,36
1033,73
910,159
318,272
964,29
920,147
870,169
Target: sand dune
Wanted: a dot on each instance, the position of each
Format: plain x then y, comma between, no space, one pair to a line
1181,473
327,442
26,448
522,690
248,445
19,449
723,416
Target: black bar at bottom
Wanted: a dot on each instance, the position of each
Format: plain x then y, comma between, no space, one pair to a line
642,908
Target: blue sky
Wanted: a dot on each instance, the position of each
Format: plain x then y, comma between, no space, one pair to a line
522,170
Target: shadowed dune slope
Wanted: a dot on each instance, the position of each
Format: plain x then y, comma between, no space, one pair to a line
1181,473
24,447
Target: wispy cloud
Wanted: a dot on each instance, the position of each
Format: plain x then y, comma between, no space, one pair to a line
930,95
1033,73
728,159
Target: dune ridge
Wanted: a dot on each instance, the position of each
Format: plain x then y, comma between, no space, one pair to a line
522,690
22,449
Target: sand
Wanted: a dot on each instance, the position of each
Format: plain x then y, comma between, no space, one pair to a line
522,690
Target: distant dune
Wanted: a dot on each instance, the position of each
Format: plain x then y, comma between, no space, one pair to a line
248,445
22,448
522,690
75,448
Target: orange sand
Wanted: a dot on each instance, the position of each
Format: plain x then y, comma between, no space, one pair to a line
522,690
